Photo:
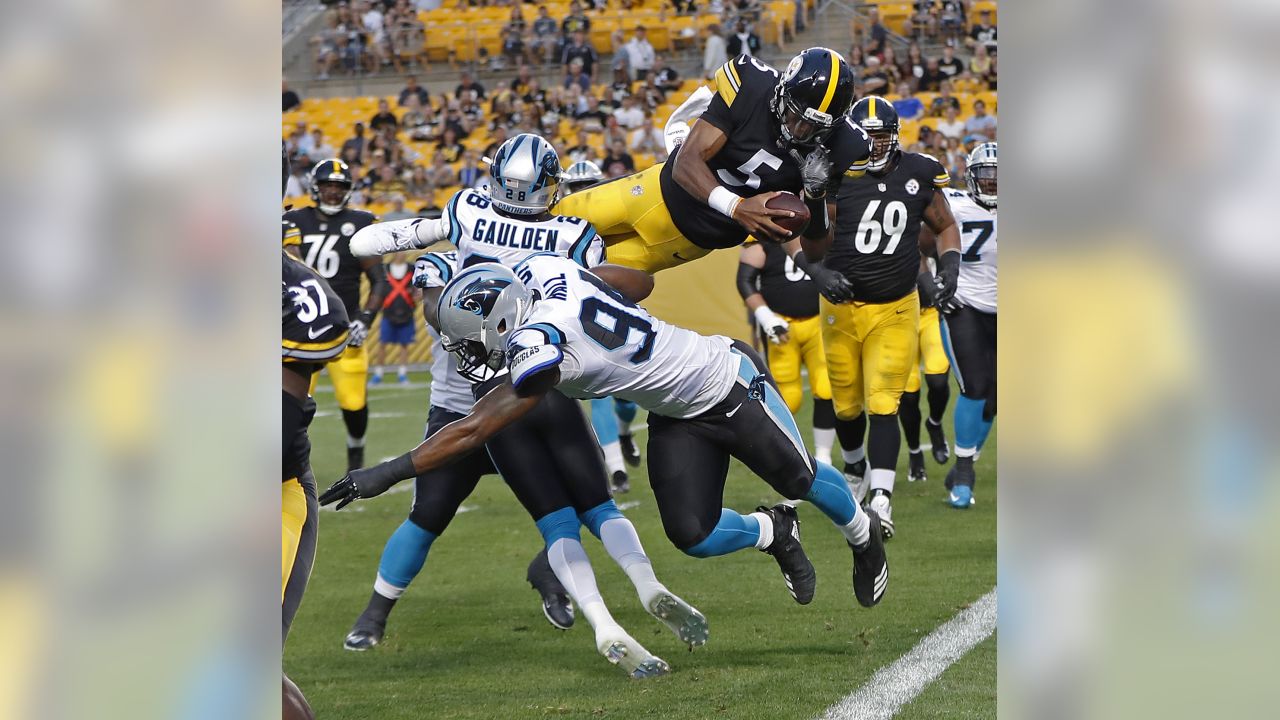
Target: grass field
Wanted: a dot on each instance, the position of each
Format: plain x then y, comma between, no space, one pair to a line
468,639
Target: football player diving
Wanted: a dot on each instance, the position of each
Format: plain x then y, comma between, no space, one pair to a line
872,341
326,232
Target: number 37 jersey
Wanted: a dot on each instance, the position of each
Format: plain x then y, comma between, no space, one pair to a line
605,345
976,287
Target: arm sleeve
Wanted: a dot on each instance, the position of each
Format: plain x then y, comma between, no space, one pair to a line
434,269
748,280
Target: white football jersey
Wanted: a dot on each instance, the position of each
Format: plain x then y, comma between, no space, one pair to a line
977,285
449,390
481,234
606,345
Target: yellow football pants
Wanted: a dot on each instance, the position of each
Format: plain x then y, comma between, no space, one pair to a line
298,513
633,221
350,375
870,349
932,355
803,347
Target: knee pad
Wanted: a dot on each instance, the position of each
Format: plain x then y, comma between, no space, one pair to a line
599,515
792,394
559,524
884,403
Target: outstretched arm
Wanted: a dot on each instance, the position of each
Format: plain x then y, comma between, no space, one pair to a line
388,237
636,285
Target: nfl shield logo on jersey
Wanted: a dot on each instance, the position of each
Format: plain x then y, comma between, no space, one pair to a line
913,187
881,187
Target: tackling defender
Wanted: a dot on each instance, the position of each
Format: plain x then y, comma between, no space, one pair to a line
556,324
326,232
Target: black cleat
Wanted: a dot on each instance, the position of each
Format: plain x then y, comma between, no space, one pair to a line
355,458
365,634
629,451
555,600
620,483
870,566
797,571
916,471
950,482
938,438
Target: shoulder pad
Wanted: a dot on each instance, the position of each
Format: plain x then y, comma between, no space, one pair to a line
939,175
532,349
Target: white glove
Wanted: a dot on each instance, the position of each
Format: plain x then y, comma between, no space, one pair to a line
815,171
774,327
390,237
357,333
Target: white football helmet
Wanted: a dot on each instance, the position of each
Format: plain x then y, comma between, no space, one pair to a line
580,176
478,311
980,174
526,175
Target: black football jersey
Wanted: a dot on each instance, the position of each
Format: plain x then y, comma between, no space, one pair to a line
786,289
289,234
314,327
754,159
326,246
877,242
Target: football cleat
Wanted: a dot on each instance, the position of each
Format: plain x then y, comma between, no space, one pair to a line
365,634
916,471
355,458
961,480
622,650
682,618
620,483
797,571
938,438
961,497
855,475
870,566
879,503
556,606
629,451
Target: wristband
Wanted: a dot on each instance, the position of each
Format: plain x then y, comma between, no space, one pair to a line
765,317
366,317
723,201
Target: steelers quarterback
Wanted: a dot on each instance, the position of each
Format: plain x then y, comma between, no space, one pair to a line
761,133
872,341
326,231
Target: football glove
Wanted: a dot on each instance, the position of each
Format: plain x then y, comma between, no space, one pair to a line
368,482
358,330
945,282
815,171
774,327
928,289
833,285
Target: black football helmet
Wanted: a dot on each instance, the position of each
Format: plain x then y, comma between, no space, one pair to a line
877,116
331,185
814,92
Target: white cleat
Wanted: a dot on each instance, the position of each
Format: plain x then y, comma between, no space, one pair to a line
622,650
880,503
682,618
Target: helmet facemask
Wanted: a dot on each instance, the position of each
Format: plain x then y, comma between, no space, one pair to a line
332,196
801,126
884,143
981,178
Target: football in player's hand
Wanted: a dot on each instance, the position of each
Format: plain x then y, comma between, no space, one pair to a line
787,201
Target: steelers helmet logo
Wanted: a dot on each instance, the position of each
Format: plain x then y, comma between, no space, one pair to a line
913,187
792,68
348,228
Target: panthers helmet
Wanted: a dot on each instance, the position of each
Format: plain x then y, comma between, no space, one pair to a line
478,311
525,175
877,116
332,172
980,174
814,92
580,176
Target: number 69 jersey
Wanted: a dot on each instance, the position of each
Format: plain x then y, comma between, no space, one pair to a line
606,345
482,234
976,287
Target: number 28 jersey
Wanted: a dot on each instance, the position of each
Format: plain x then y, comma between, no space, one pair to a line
976,286
605,345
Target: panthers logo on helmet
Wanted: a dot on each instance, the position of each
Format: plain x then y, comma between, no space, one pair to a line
479,297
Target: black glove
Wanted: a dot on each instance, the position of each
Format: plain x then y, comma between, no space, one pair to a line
368,482
833,285
948,275
928,289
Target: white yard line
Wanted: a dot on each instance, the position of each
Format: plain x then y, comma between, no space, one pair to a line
897,684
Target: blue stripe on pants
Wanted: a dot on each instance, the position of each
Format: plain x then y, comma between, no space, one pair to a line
405,553
734,532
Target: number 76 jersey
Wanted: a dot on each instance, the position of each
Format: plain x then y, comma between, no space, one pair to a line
605,345
977,284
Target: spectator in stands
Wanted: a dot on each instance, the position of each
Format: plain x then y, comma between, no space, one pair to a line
664,77
534,94
520,83
498,136
924,21
981,123
387,186
980,64
299,178
908,106
515,21
575,22
744,41
983,33
413,117
619,89
470,173
857,59
575,76
618,162
375,35
290,98
965,82
579,49
877,35
593,118
513,48
952,20
419,185
874,79
440,174
581,150
406,36
324,45
397,211
412,89
546,36
684,7
748,10
648,139
932,77
912,68
299,141
383,118
613,133
944,100
949,64
640,54
951,126
714,51
629,116
468,82
449,147
355,144
889,63
320,149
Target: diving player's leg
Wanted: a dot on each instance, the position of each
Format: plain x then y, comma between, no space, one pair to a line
909,417
625,413
605,425
824,412
891,348
300,519
350,374
971,347
936,367
843,351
